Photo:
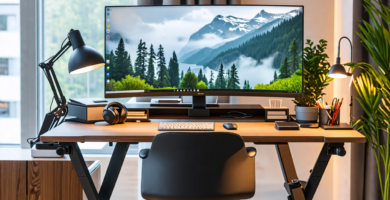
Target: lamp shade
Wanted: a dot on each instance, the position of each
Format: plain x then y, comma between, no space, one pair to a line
83,58
337,70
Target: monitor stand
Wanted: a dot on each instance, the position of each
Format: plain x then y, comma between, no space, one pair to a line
198,106
184,104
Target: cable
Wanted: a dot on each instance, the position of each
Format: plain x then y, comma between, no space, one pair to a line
63,42
52,99
237,114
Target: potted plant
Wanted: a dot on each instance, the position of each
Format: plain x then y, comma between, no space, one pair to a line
315,79
373,87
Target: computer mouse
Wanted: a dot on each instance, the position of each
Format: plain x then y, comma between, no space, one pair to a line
230,126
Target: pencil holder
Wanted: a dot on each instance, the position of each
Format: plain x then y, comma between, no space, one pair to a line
324,117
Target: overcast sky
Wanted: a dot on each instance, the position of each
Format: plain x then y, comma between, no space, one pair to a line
172,26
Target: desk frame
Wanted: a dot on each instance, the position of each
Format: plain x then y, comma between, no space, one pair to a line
111,176
300,191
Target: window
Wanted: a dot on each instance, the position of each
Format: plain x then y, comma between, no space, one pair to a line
3,66
87,16
4,109
8,22
9,72
3,22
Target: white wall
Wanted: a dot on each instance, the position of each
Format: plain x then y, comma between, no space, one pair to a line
342,27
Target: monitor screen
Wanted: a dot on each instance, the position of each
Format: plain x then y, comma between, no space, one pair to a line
203,50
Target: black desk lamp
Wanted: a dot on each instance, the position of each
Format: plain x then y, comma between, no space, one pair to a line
338,71
83,59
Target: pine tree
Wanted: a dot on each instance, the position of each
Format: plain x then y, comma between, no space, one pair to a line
205,79
248,87
111,65
275,76
284,70
170,66
137,64
141,60
130,68
211,81
189,81
229,79
200,75
182,75
235,81
220,81
163,75
294,59
174,71
188,70
121,62
150,74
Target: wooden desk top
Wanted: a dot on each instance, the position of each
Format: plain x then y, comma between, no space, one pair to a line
264,132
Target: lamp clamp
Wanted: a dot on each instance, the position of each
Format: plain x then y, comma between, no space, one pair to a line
336,149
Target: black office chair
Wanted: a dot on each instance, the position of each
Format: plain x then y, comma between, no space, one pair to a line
205,165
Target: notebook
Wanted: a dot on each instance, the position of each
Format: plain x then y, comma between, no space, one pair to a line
286,126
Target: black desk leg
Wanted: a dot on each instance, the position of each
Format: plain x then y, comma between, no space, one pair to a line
116,162
319,167
82,172
295,190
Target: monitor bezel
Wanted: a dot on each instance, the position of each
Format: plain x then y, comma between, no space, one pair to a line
120,94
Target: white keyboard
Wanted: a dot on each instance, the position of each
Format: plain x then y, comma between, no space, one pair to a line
186,126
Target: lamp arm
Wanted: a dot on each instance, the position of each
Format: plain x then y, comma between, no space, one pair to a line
338,53
47,68
56,116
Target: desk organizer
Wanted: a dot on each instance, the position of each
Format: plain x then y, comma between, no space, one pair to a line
324,117
276,114
342,126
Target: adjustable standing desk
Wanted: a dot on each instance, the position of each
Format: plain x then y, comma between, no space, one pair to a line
69,133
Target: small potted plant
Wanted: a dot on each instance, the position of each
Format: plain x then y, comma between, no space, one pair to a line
315,79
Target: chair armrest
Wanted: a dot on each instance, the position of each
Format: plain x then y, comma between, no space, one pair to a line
251,152
144,153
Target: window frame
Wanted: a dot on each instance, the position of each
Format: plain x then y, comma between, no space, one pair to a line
29,29
39,83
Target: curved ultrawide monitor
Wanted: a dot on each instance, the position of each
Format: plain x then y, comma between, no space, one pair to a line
203,50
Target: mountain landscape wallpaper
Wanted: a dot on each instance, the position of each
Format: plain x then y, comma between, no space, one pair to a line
204,47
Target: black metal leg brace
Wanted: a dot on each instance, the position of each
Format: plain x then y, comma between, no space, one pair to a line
111,176
115,166
295,190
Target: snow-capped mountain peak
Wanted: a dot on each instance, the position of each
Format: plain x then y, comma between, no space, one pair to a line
231,26
227,27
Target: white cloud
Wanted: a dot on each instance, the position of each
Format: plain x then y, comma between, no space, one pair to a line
249,69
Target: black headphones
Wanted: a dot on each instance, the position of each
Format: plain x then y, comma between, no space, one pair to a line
112,115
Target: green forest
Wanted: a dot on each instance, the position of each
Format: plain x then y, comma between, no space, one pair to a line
142,76
124,75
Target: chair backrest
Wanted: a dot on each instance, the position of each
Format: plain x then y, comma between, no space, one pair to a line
205,165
